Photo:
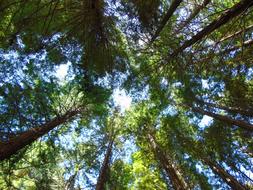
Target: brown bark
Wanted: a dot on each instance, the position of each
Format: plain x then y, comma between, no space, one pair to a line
216,168
167,16
194,13
7,149
228,50
227,108
236,10
105,167
229,179
175,177
223,118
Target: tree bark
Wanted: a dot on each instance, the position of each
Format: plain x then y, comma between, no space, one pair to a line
167,16
229,179
223,118
236,47
175,177
7,149
240,111
236,10
216,168
105,167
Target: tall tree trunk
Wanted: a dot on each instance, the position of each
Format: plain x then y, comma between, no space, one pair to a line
105,167
216,168
167,16
223,118
236,10
174,175
229,179
227,108
194,13
7,149
212,53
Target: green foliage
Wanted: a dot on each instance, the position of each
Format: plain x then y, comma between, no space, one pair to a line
145,177
184,74
120,176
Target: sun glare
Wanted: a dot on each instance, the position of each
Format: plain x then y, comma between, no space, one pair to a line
62,71
121,99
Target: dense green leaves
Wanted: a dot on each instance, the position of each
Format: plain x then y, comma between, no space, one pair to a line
187,66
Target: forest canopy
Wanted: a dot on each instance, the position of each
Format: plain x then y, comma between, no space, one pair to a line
185,119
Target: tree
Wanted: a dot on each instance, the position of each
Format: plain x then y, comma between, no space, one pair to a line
7,149
183,63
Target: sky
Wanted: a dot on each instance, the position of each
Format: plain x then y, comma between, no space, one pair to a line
62,71
123,101
120,97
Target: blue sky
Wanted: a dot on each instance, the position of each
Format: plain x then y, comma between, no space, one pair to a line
124,101
120,97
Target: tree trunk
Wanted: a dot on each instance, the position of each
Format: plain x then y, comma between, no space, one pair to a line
175,177
229,179
216,168
105,167
236,10
167,16
7,149
240,111
223,118
194,13
244,44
